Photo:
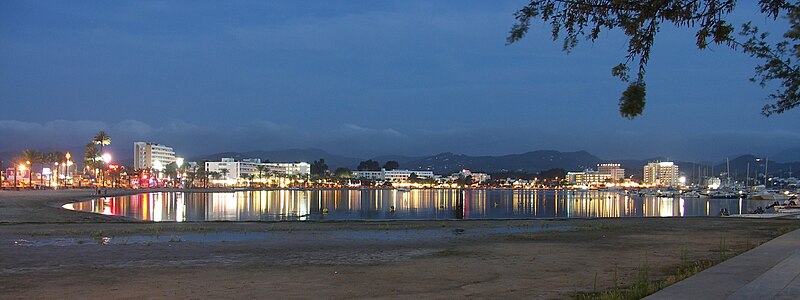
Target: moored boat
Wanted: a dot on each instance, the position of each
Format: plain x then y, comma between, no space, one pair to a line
769,195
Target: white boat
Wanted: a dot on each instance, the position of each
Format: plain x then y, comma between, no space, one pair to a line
403,189
769,195
787,209
691,194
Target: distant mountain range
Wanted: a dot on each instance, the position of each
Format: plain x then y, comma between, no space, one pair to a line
530,162
289,155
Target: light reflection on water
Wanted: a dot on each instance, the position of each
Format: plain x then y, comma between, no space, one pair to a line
389,204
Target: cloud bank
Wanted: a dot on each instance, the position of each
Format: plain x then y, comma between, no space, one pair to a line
190,139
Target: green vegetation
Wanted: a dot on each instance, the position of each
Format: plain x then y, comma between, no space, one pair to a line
319,167
786,229
369,165
644,285
391,165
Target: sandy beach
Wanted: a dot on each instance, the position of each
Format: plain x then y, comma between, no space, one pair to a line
50,252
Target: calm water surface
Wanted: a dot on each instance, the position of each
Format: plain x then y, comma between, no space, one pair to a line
390,204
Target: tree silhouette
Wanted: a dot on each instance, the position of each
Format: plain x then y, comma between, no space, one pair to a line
640,21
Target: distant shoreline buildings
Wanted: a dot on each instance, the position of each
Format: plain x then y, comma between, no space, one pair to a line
148,155
250,167
392,175
664,173
606,173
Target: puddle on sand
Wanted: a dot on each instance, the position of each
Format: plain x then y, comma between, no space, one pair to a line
212,237
209,237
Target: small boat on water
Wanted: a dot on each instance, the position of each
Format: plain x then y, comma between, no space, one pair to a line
769,195
788,209
788,206
722,194
403,189
691,194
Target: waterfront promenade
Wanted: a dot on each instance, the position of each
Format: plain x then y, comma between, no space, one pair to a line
770,271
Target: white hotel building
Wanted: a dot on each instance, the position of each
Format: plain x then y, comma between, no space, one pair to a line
393,175
605,173
152,156
246,167
664,173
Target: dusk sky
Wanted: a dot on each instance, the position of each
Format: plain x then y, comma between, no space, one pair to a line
363,78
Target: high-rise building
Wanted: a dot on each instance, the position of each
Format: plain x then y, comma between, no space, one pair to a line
151,155
661,174
614,171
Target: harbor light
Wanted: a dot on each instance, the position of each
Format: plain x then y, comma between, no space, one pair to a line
106,157
157,165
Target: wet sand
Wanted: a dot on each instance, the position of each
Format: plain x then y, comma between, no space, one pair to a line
48,252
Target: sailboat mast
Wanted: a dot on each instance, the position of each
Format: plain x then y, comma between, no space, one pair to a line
766,166
728,163
747,179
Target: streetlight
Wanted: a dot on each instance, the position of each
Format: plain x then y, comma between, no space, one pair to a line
758,160
56,172
106,159
66,173
30,175
21,167
67,163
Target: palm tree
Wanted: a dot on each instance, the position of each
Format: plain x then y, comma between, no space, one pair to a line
215,174
49,158
31,157
171,171
191,174
261,170
90,156
201,172
250,180
224,172
101,139
16,162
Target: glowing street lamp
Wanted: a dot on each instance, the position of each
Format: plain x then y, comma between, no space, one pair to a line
106,159
16,174
30,175
56,172
67,163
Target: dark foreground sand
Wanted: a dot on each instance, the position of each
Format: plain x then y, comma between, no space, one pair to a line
47,252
